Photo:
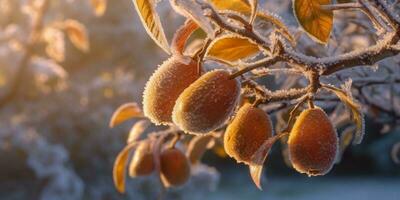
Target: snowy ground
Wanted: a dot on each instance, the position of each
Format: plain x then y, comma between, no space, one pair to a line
368,188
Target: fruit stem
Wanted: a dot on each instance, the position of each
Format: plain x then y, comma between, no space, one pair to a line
177,137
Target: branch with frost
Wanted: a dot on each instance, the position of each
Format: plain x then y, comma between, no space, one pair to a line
325,66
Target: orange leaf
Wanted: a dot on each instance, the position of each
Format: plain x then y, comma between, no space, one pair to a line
119,169
182,35
318,23
137,130
232,48
125,112
77,33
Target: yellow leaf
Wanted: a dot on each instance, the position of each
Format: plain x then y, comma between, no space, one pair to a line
137,130
232,48
315,21
125,112
77,33
151,22
119,169
99,7
254,7
244,7
236,5
358,116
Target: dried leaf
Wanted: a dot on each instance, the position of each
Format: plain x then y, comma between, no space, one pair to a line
137,130
197,147
119,169
99,7
182,35
125,112
232,48
151,21
55,47
78,34
318,23
258,159
357,114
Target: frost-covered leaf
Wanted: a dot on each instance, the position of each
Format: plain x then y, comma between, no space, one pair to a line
356,111
182,35
258,159
151,21
120,164
254,6
192,10
78,34
318,23
137,130
232,48
244,7
46,69
99,7
125,112
345,140
197,146
55,43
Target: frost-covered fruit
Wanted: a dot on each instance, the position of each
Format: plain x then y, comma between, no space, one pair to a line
165,86
142,163
313,143
246,133
207,103
175,168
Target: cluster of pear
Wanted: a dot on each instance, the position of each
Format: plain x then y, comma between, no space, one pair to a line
175,167
200,102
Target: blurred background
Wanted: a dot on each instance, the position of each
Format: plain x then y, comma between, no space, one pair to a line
58,94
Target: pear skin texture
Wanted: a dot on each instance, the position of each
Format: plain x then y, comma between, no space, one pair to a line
142,163
207,103
165,86
313,143
246,133
175,167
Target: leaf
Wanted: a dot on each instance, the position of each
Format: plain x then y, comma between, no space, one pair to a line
151,22
357,115
345,140
318,23
197,147
254,6
77,33
99,7
241,6
395,153
232,48
192,10
244,7
119,169
125,112
47,69
258,159
137,130
55,47
182,35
